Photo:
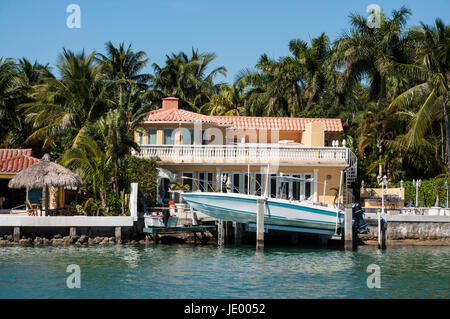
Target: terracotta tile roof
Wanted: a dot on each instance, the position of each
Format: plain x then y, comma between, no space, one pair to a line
171,113
15,160
180,115
281,123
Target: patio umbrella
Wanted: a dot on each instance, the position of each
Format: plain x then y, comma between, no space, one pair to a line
45,174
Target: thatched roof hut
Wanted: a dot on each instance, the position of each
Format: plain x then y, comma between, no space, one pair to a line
45,174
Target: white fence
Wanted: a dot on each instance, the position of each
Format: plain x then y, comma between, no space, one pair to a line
246,153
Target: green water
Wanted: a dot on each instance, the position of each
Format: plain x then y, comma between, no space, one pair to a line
209,272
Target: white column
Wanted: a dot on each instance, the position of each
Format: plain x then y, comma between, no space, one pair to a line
218,178
315,194
133,201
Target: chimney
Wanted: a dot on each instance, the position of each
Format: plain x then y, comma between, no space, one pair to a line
169,103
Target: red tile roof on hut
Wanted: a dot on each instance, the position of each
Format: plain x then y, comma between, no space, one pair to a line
171,113
16,160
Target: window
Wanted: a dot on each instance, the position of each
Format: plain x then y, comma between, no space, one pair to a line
225,179
245,186
273,185
236,182
201,181
296,188
140,138
188,180
204,140
205,181
151,134
169,138
308,189
258,184
284,188
187,137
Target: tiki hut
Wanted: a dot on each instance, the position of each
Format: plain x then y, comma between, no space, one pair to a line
45,174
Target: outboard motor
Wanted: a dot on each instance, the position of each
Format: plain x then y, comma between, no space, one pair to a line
166,216
358,224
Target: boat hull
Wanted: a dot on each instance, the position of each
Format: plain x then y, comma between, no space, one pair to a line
157,221
242,208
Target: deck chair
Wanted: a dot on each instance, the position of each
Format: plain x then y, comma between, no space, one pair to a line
32,209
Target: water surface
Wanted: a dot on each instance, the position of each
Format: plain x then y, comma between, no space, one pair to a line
163,271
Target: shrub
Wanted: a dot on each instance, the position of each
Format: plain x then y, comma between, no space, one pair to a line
427,191
143,172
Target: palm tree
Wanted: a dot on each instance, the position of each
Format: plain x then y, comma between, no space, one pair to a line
313,62
92,162
118,141
432,73
64,106
9,94
230,101
272,89
125,68
187,78
364,53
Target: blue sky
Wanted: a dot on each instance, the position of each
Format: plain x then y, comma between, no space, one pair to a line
237,31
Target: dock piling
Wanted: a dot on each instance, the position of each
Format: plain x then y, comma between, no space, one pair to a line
16,234
349,240
118,234
260,223
237,233
72,231
382,239
220,233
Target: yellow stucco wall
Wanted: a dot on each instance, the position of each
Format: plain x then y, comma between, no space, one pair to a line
159,127
314,134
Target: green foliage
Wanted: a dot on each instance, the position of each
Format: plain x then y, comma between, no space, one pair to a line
142,171
427,192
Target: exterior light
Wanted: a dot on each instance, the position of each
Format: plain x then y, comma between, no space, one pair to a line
401,183
362,184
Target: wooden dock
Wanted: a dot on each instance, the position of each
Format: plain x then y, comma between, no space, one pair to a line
155,231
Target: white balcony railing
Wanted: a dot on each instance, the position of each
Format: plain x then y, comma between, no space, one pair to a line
246,153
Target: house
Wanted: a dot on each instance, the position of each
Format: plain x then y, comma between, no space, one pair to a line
233,153
12,161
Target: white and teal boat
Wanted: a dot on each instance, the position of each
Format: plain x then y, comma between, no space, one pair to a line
301,216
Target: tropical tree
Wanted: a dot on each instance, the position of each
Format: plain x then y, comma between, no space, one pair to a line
62,107
125,67
230,101
90,160
364,53
272,89
188,79
9,94
314,66
432,73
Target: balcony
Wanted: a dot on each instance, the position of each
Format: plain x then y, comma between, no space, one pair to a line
248,154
